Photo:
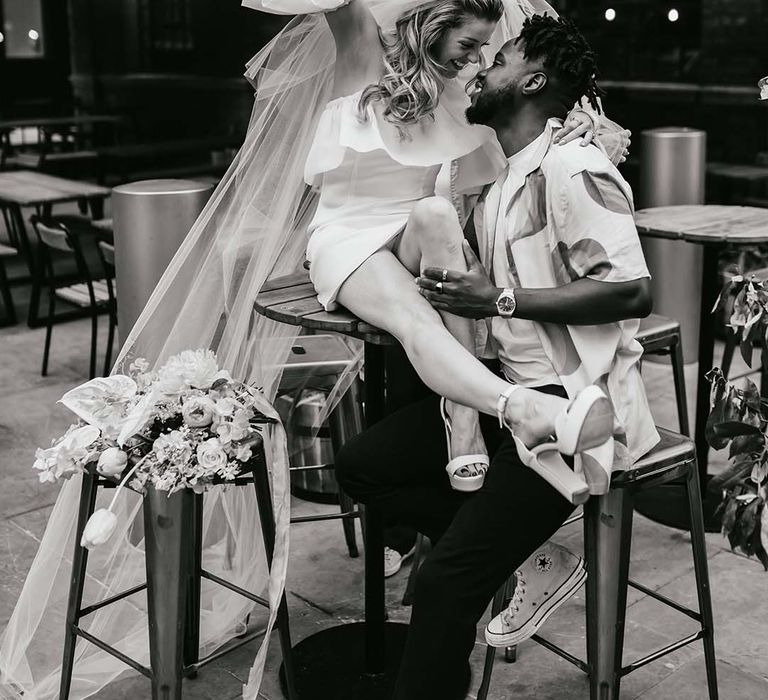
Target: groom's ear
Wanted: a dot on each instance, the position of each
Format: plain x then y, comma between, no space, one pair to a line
534,83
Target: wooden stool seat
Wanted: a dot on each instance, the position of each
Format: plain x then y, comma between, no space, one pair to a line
293,300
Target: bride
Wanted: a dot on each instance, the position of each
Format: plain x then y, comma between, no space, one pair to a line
254,228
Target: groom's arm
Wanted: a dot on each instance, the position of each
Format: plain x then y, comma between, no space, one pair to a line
582,302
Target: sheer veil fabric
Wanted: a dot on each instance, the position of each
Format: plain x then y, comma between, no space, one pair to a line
252,229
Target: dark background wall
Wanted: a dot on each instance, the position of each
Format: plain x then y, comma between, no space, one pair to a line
175,66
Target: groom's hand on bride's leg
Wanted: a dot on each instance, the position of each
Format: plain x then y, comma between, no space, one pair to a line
470,294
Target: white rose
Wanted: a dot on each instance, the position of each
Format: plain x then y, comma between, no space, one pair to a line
112,462
198,411
763,85
99,528
211,454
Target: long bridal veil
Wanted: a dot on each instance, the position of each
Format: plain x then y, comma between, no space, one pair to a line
252,229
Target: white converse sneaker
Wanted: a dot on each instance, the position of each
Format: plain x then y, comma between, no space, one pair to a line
393,560
545,581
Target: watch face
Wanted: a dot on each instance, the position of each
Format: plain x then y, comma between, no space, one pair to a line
506,303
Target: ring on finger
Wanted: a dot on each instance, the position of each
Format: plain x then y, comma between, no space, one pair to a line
439,287
445,275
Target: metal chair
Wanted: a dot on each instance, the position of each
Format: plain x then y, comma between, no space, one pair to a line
107,256
81,290
9,311
608,540
660,335
173,543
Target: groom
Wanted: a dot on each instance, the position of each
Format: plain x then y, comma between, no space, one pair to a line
565,272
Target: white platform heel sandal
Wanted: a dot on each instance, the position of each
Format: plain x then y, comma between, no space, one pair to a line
586,423
459,482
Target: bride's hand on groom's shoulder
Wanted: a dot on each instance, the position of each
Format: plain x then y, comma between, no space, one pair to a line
470,294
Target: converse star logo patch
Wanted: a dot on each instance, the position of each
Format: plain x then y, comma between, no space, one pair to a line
543,563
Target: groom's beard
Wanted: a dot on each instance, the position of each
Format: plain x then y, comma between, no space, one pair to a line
489,106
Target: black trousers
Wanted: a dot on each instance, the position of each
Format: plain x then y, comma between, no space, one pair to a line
478,539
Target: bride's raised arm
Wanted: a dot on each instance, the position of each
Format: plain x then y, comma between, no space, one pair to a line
355,33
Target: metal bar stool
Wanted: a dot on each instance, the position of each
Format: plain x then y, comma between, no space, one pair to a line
660,335
608,539
173,538
357,660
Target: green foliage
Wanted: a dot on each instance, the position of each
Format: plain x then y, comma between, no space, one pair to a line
739,418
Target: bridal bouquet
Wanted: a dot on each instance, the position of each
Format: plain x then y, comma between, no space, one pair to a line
187,425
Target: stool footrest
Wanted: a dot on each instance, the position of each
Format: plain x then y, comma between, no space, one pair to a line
111,650
695,614
347,515
188,670
232,587
112,599
662,652
561,652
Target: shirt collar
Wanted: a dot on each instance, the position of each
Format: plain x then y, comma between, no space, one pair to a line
523,163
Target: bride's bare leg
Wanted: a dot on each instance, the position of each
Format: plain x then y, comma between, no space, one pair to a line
433,238
382,292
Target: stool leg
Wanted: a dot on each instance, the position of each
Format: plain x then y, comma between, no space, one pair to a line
194,556
607,539
415,563
346,504
166,524
678,375
346,421
490,652
267,519
88,491
700,565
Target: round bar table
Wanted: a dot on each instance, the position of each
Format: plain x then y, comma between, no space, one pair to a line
711,226
352,661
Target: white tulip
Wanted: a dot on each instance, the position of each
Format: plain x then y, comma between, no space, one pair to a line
99,528
112,462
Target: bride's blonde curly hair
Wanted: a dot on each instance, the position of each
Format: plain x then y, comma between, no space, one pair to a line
413,79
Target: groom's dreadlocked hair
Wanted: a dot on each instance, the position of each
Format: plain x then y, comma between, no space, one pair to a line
566,52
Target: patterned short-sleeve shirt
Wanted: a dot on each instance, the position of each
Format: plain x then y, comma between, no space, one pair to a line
560,213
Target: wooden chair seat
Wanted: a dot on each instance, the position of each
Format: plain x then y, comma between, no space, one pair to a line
78,293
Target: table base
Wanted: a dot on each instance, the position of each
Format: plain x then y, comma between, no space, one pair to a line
330,665
668,505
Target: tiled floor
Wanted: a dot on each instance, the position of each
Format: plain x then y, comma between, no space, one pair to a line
325,585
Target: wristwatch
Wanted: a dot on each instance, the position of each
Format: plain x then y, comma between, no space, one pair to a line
506,303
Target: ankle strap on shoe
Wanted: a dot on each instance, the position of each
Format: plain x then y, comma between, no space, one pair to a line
501,405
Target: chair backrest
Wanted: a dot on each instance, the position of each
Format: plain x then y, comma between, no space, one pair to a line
53,236
107,253
61,234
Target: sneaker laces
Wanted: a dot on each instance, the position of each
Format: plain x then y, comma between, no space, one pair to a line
517,599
